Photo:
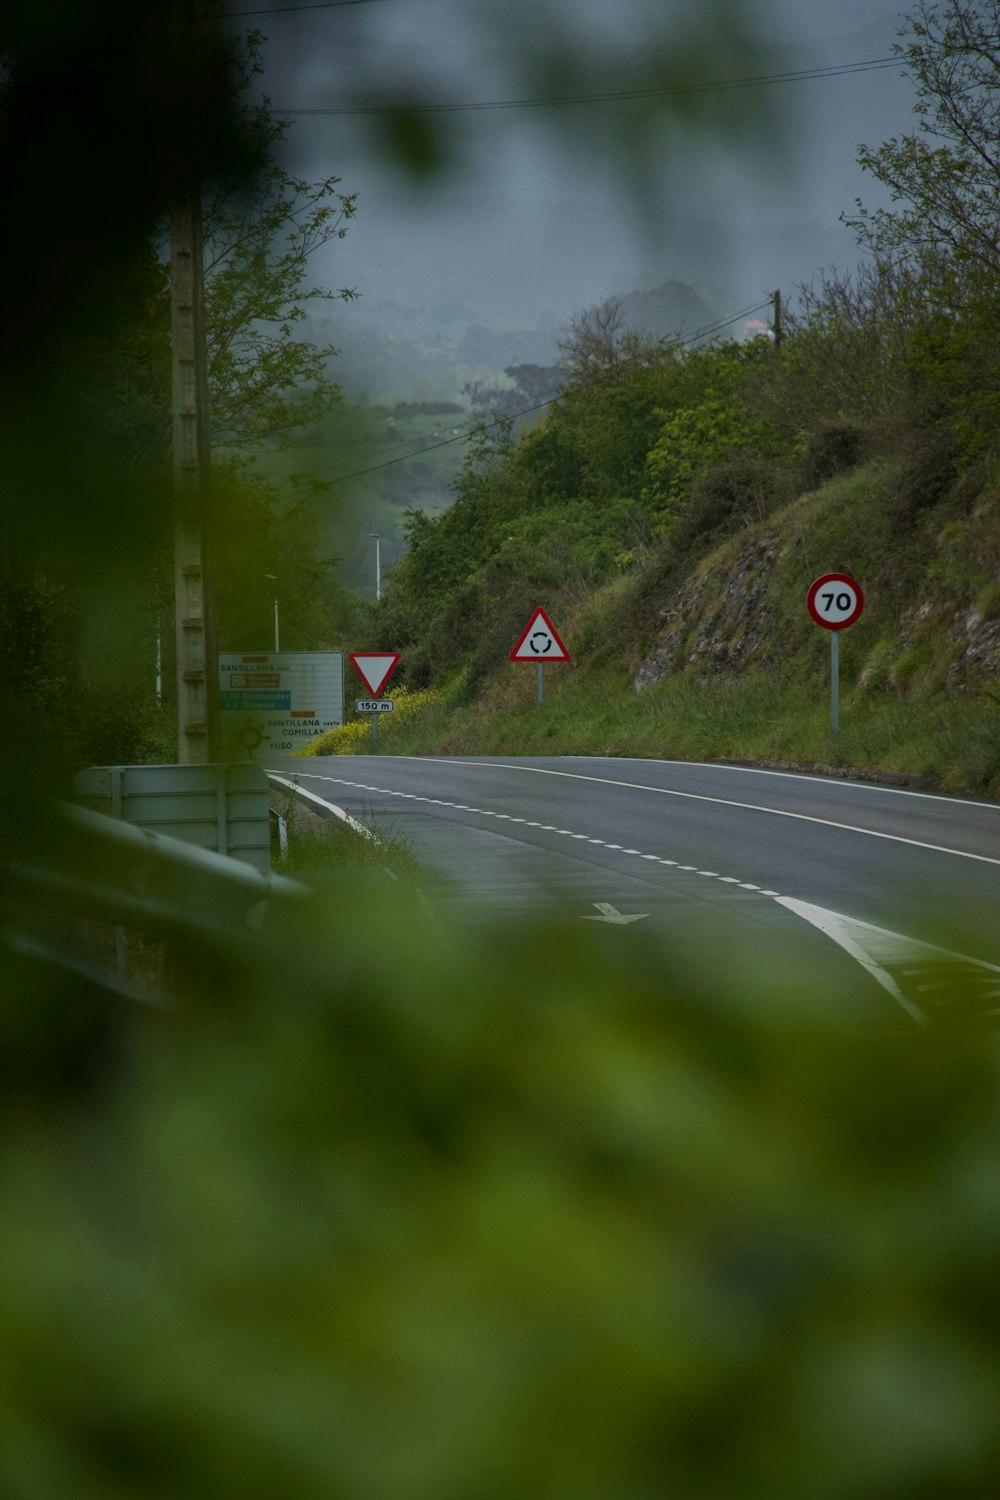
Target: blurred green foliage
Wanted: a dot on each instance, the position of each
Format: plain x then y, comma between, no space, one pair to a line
90,517
458,1220
429,1218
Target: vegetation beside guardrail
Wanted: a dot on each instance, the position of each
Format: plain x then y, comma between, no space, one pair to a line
318,840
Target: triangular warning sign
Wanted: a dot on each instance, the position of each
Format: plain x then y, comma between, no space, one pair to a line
374,668
539,641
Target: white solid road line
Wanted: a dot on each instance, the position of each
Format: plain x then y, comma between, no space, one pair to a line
874,947
662,791
861,786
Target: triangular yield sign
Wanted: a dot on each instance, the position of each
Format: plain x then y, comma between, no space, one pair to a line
539,641
374,668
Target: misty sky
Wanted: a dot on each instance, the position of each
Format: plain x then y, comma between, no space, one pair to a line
536,218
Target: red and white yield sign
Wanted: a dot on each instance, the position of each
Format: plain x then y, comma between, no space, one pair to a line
374,668
835,601
539,641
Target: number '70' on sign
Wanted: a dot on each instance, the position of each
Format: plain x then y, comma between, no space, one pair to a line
835,601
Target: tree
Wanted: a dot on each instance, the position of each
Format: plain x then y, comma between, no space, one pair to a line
111,382
943,232
599,347
847,351
707,424
264,381
945,176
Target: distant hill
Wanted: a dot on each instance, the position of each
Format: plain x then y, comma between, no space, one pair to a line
516,263
667,310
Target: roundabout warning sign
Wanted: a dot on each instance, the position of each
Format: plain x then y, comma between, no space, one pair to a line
539,641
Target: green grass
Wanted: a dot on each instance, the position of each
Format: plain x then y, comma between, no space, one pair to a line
355,737
319,845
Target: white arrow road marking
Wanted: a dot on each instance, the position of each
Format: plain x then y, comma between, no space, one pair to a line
609,913
887,954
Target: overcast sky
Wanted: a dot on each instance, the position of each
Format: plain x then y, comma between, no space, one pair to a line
537,214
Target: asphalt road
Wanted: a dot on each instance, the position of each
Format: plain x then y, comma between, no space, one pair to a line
839,874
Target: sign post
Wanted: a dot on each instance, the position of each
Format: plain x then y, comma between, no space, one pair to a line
374,668
540,643
835,601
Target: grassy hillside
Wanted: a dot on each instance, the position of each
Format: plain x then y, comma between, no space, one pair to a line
672,508
722,660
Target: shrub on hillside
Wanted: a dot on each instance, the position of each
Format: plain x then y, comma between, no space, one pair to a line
832,448
728,497
932,461
354,737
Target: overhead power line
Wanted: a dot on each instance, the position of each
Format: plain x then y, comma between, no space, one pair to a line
690,338
280,10
872,65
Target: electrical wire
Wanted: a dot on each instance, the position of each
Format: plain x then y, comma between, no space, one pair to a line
840,70
279,10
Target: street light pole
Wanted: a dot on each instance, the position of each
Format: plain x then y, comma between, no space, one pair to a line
277,640
378,563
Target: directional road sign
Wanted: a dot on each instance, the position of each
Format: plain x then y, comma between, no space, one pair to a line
273,701
835,601
374,668
539,641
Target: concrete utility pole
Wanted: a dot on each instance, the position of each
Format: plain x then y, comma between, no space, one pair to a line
778,330
197,696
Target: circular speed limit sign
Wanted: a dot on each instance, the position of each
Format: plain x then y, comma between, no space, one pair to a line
835,601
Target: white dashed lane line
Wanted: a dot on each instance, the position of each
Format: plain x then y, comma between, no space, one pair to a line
485,812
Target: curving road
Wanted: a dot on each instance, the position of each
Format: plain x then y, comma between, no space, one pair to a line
728,859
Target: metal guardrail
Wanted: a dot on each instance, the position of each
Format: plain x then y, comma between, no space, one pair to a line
109,871
216,806
82,867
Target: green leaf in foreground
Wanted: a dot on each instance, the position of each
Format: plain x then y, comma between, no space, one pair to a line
382,1214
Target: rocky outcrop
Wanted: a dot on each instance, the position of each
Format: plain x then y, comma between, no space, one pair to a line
977,638
724,620
721,620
